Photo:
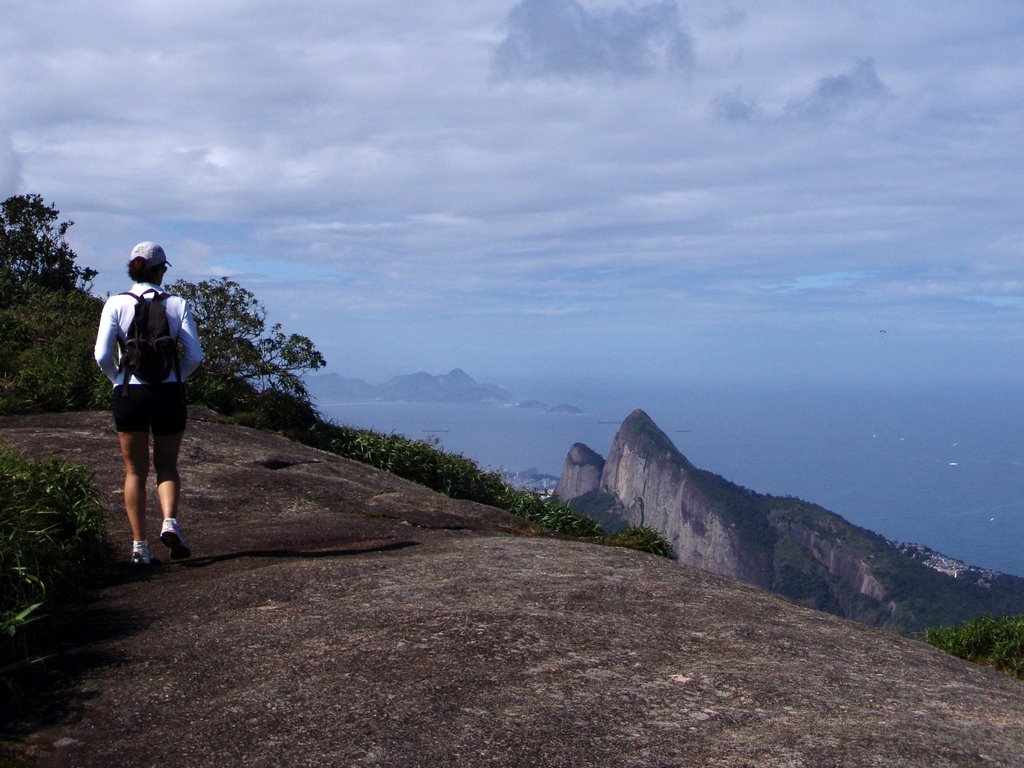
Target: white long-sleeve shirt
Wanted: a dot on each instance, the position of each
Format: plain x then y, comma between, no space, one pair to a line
116,319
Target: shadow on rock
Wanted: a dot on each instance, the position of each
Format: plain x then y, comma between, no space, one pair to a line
46,691
202,562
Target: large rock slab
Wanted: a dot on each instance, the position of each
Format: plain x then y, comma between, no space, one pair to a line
333,615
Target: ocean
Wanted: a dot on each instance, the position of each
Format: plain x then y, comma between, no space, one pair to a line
939,466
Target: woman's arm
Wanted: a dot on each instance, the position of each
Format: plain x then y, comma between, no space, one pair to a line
106,340
189,338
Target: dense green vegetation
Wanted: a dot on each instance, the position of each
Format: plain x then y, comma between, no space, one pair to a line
997,643
252,374
741,508
51,532
47,317
46,340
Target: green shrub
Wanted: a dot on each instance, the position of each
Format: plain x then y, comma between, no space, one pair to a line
997,643
556,517
641,538
51,531
46,343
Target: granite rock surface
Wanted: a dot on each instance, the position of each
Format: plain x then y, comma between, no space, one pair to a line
335,615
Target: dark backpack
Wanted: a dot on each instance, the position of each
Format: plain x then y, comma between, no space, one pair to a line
149,351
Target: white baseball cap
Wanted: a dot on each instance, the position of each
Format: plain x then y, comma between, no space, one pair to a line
151,252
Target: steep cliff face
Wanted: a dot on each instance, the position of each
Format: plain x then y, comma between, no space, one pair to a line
839,561
651,481
581,472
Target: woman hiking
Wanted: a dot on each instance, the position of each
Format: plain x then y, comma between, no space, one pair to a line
149,394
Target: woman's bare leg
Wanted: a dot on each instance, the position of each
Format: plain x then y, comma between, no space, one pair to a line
168,481
135,451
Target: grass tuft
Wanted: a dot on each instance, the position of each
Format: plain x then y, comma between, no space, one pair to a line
643,539
996,643
51,532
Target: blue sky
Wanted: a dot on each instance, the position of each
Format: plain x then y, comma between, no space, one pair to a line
704,191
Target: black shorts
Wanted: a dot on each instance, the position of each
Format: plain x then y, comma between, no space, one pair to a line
157,407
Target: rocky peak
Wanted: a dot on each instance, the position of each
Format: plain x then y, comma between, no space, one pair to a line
652,482
642,435
581,473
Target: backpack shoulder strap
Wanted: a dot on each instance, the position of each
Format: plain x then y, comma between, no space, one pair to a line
121,366
157,295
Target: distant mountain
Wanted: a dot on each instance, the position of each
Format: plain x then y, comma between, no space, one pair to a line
783,544
562,408
457,386
454,387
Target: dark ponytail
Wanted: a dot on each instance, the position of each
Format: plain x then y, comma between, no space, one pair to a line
141,271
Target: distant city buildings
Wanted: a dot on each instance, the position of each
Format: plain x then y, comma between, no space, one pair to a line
945,564
531,480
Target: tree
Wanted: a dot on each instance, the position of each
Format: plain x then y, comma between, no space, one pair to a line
33,250
47,318
46,361
238,345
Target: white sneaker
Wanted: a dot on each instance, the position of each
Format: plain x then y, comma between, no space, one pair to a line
140,552
174,539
